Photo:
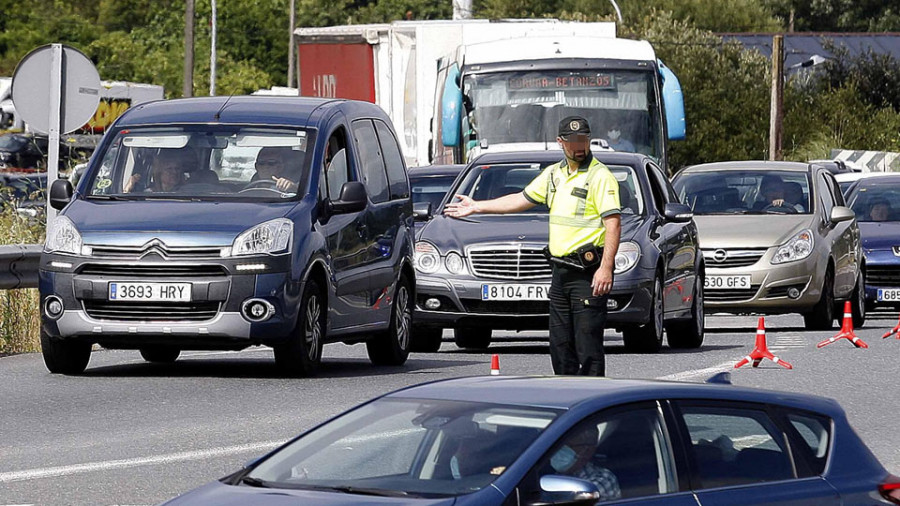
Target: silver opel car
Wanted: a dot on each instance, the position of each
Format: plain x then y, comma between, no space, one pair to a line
777,238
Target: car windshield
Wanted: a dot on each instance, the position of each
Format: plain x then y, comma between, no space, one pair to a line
876,202
423,448
206,162
430,188
484,182
749,191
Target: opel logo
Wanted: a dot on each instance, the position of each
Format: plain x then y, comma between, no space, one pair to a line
720,255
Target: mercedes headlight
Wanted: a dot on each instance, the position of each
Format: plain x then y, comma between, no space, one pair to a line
455,263
799,247
427,258
269,238
627,256
63,237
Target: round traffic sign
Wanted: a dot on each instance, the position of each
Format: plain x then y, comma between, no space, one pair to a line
79,92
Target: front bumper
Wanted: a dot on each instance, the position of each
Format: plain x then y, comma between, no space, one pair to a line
211,320
461,303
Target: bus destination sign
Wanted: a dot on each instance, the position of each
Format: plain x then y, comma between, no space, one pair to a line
571,82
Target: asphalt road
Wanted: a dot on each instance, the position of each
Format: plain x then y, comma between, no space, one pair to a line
131,433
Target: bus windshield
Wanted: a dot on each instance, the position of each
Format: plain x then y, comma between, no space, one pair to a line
519,107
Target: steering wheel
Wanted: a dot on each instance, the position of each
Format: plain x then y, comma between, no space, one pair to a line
786,209
262,184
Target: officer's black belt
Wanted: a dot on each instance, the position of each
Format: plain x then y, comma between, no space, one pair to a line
584,258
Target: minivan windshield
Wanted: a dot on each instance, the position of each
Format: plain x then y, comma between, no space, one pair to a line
407,447
203,162
745,191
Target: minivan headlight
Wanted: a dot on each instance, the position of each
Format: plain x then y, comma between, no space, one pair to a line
427,258
63,237
799,247
627,256
268,238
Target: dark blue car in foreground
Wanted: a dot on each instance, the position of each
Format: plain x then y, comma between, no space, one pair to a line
515,441
876,203
227,222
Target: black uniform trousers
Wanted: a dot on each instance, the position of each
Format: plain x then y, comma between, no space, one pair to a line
577,319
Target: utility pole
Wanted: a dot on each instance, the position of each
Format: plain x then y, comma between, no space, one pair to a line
188,88
776,115
212,53
291,63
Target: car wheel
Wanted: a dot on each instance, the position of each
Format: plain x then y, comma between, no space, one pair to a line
648,338
858,304
64,356
392,348
822,315
301,354
160,354
426,339
689,333
478,338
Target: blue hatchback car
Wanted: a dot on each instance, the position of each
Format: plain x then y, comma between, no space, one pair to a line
226,222
514,441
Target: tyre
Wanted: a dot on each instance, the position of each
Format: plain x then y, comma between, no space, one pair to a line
858,301
648,338
822,315
426,339
301,354
689,333
478,338
392,348
160,354
64,356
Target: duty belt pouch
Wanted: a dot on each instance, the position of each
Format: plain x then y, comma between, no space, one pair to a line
572,264
588,255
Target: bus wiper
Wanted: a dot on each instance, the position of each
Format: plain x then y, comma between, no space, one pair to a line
254,482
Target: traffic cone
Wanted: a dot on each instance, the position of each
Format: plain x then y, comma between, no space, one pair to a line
846,331
895,330
495,365
761,350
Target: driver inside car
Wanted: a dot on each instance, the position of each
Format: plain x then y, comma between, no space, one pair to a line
771,194
279,165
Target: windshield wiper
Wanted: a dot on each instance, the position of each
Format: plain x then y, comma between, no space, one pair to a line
369,491
254,482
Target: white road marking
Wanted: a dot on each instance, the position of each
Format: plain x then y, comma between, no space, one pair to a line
52,472
709,371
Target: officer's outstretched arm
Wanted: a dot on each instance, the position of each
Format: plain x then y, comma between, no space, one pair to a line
512,203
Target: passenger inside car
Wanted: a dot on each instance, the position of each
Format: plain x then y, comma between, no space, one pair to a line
167,172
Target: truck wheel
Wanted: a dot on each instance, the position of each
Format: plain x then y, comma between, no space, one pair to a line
301,354
822,315
64,356
478,338
648,338
426,339
858,302
392,348
160,354
689,333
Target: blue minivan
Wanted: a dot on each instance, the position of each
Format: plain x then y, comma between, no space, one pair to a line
226,222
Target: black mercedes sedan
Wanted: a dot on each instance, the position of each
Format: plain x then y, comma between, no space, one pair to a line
487,272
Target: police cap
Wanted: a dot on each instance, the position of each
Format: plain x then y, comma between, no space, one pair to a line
573,125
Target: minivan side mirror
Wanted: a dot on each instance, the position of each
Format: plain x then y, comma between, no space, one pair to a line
422,211
841,213
678,213
353,198
60,194
559,490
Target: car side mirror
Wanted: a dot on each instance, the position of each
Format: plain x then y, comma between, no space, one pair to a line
60,194
422,211
678,213
353,198
566,490
841,213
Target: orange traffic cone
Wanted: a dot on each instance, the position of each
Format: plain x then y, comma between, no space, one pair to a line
895,330
846,331
495,365
761,350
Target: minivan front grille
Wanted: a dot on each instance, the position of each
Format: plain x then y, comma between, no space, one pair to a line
150,311
509,261
137,252
728,258
153,270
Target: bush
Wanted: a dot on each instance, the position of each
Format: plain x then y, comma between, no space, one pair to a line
20,319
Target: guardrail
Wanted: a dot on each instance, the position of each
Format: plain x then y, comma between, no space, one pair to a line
19,266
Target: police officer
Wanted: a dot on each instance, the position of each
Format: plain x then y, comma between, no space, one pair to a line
583,197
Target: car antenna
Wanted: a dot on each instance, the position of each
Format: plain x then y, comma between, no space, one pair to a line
219,112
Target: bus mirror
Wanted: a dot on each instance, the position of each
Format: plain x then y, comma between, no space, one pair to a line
451,107
673,100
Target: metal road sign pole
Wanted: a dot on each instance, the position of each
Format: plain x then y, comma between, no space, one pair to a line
57,80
